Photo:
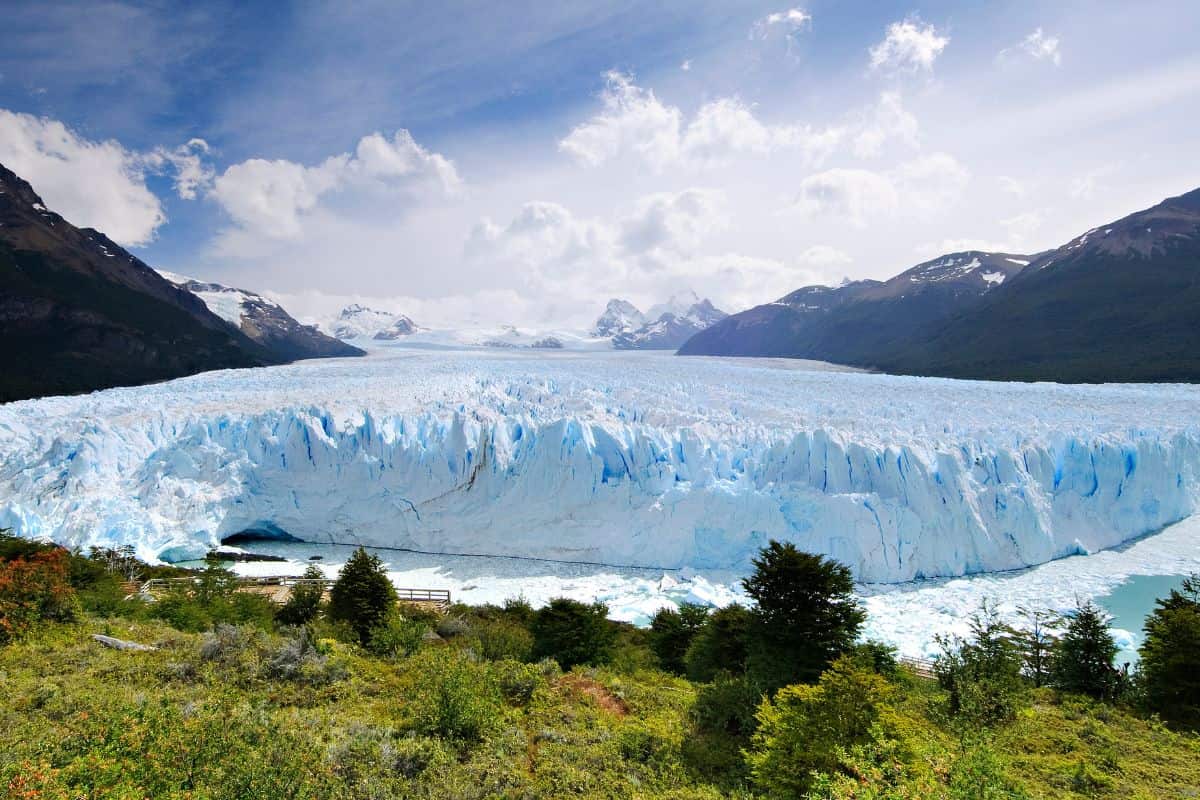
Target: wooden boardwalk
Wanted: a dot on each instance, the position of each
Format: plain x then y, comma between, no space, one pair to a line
278,588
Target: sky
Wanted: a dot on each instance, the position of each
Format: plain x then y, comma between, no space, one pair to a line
472,163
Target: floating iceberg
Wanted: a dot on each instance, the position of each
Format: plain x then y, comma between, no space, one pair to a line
625,459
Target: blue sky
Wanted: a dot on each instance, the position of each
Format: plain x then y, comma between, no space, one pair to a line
522,162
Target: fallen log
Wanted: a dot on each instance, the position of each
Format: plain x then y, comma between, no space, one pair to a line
121,644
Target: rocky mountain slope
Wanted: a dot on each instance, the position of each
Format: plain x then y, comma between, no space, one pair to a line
78,312
1120,302
854,322
264,321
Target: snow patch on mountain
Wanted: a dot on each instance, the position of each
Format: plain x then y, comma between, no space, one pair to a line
356,321
643,460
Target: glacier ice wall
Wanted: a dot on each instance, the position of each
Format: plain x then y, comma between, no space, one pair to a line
619,459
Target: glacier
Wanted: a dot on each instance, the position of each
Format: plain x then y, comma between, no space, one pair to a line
631,459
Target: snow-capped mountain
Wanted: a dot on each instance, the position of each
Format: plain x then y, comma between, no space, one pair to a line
664,327
359,322
78,312
858,321
620,316
263,320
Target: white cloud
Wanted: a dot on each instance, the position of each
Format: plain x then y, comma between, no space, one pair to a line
789,22
686,66
635,122
823,256
1010,185
271,198
908,46
1017,238
886,121
1087,185
1037,46
93,184
192,174
920,188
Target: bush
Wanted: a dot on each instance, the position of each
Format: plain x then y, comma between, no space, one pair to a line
728,706
1170,680
300,659
982,673
804,730
573,633
518,681
396,637
362,596
1083,659
458,701
34,588
671,633
720,645
499,639
805,615
304,601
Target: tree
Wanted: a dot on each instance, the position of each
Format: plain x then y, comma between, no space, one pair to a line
304,602
981,673
805,615
720,646
362,595
1036,640
572,633
1083,660
35,589
805,730
1170,657
671,633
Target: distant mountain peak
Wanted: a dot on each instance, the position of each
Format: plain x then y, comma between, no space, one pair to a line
357,321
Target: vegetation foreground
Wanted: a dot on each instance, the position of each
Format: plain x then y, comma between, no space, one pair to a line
355,697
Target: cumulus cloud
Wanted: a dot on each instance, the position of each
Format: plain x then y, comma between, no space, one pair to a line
1018,236
908,46
920,188
273,197
94,184
1038,46
192,174
633,121
644,255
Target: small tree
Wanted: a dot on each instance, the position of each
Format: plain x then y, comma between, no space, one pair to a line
1036,640
1170,656
1083,660
362,596
304,603
34,589
982,673
671,633
573,633
720,646
805,615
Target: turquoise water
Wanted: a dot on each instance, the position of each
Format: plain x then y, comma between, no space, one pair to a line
1131,602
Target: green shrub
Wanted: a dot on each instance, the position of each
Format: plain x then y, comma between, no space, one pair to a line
720,645
499,639
981,674
362,596
396,637
457,700
301,659
518,681
728,706
804,730
572,633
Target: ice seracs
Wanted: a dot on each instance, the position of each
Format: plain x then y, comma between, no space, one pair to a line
649,461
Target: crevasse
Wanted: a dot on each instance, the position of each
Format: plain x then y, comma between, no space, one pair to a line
478,459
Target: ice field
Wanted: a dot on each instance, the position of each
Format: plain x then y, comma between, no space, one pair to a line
631,459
